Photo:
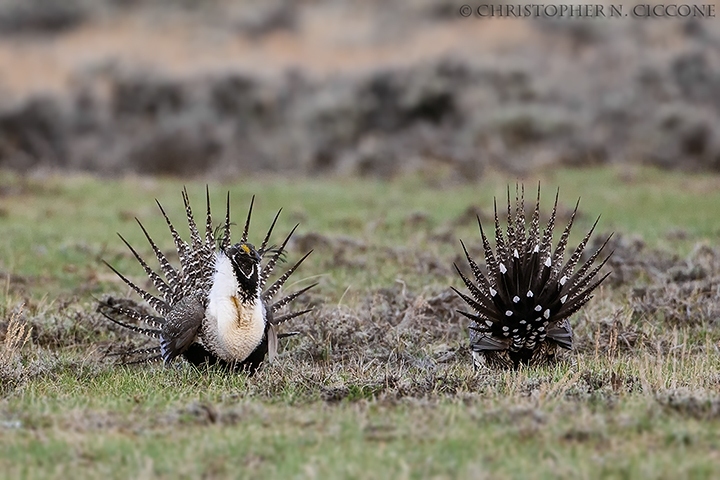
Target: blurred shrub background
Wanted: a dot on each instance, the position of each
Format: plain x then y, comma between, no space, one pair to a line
224,88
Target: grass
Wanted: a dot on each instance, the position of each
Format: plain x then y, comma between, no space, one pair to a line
379,384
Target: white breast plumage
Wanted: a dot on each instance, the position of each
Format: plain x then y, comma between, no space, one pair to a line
237,328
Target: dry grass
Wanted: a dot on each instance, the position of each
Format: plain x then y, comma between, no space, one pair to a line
17,336
379,383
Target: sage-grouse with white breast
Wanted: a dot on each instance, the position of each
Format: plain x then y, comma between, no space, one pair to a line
522,306
215,308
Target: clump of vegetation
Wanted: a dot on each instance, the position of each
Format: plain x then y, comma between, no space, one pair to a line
42,16
12,366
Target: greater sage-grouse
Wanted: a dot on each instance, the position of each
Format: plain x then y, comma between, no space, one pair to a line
522,305
215,308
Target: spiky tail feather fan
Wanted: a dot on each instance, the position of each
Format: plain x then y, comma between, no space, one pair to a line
522,306
195,277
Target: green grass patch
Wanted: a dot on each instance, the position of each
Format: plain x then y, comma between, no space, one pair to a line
380,383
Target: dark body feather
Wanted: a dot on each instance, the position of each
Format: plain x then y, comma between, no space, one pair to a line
182,323
521,307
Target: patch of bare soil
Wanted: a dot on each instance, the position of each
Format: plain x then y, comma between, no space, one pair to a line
700,404
684,295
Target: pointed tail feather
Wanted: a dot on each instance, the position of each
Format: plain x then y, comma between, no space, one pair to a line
483,283
519,216
265,241
159,305
474,290
183,249
225,243
546,244
567,270
576,280
534,232
289,316
268,268
500,246
560,249
158,282
275,287
209,231
480,307
572,305
247,221
150,332
289,298
197,242
492,263
133,352
167,269
157,322
144,360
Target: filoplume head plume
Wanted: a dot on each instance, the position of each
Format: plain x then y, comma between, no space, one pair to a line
521,307
217,307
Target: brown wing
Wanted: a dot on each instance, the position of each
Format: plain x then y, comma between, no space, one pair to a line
561,334
182,326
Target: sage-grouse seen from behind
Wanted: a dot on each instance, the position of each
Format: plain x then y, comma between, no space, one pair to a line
522,305
215,308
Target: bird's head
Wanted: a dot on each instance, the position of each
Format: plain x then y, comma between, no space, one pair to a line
245,260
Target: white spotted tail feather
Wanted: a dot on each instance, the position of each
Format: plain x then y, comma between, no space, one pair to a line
183,324
520,308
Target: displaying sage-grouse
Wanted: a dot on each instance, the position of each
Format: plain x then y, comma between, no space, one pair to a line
521,307
215,307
